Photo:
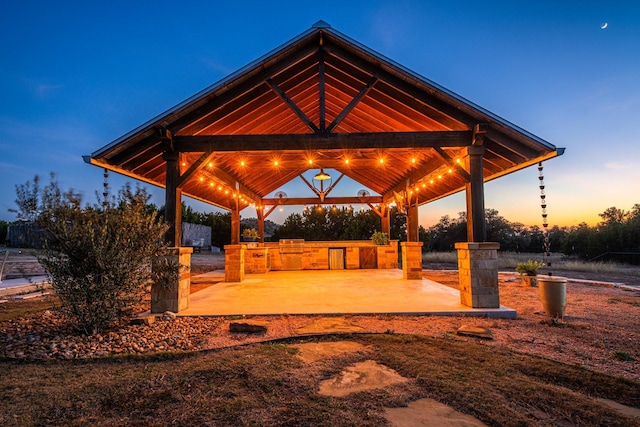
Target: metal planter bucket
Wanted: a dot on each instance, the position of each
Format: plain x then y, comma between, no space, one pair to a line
553,295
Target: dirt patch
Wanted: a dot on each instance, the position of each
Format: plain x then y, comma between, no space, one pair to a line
329,325
367,375
429,412
314,351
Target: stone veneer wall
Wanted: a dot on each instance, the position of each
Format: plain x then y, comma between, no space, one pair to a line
173,296
234,263
478,274
388,255
316,254
256,260
315,257
411,260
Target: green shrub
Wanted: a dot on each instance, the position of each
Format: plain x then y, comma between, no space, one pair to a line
529,268
98,257
379,238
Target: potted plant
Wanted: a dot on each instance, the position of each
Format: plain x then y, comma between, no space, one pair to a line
379,238
529,271
250,235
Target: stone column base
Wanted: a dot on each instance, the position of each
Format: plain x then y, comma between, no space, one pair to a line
172,297
234,263
411,260
478,274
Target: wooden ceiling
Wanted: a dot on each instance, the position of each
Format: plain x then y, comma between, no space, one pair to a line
321,100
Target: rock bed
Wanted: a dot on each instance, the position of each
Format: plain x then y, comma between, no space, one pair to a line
48,336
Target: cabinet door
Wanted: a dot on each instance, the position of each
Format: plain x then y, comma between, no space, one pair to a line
368,257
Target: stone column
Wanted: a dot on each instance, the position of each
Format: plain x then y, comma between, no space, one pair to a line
478,274
172,296
411,260
234,263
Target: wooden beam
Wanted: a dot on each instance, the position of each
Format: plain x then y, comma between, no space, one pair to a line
316,200
479,131
321,92
452,163
304,142
225,96
196,166
447,112
231,181
352,104
415,176
293,106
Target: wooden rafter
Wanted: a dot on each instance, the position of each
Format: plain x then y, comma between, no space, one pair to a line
354,141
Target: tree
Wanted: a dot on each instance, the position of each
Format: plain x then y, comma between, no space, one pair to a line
612,216
32,200
98,257
28,200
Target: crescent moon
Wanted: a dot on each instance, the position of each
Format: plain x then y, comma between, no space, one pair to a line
604,25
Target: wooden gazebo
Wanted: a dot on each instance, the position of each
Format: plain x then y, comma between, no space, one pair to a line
323,101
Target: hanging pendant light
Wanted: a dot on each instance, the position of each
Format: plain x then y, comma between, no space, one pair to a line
322,176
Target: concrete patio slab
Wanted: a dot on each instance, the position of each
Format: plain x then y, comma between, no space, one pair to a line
333,292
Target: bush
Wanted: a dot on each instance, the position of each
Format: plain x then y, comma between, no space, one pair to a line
98,258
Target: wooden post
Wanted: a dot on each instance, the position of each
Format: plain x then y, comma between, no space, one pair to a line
386,220
235,225
173,199
412,223
476,228
260,215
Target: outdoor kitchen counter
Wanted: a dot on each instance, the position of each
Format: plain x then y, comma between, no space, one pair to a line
344,254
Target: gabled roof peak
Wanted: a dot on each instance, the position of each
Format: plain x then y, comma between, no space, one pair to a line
321,24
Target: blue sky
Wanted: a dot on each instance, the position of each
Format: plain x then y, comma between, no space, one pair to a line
76,75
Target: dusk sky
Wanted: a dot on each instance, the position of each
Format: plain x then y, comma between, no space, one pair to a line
74,76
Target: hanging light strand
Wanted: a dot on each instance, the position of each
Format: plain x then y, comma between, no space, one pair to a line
545,224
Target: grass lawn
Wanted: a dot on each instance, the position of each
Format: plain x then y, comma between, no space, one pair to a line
266,384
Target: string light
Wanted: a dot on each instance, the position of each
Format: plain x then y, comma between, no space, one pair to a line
381,160
242,163
210,164
346,161
201,179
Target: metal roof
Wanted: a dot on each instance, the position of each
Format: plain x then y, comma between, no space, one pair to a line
325,98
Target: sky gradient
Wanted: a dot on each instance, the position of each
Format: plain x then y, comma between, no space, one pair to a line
74,76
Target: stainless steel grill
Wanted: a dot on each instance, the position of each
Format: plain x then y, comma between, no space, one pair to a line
291,246
291,253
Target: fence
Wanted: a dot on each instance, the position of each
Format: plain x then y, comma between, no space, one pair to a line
196,235
27,235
